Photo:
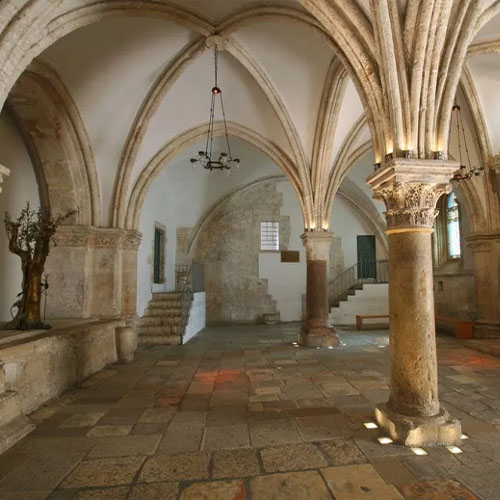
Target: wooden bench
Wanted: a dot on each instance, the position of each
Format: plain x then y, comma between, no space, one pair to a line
463,329
361,317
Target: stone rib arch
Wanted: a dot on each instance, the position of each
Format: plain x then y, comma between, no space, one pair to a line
159,90
133,209
46,114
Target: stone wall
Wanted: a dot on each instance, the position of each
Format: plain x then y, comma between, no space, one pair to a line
45,364
229,246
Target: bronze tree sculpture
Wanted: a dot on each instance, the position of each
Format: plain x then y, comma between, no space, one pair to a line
30,237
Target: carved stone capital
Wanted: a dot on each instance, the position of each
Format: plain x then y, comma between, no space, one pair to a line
132,240
3,171
410,190
317,244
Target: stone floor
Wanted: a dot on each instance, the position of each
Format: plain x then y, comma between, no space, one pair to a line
241,413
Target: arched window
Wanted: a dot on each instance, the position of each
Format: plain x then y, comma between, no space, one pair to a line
446,237
453,227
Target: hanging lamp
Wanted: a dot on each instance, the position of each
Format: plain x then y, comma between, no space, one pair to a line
467,171
207,157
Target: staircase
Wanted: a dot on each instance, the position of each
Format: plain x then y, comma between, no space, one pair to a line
161,323
360,289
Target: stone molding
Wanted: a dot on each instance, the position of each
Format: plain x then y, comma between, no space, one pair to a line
97,237
3,171
317,244
410,190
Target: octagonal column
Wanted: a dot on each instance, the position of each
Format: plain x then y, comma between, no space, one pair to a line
315,330
3,171
410,190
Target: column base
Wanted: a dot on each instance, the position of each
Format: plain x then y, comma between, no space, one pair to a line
441,429
485,330
318,337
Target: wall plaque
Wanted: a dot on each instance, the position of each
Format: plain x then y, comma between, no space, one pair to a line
290,256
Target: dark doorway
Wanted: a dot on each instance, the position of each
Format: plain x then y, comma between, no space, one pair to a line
367,257
158,256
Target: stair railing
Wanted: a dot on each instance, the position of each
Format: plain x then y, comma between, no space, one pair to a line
363,272
194,282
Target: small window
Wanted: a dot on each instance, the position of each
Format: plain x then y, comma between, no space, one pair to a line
269,236
159,256
453,227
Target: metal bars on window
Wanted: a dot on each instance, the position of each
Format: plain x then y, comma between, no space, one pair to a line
269,235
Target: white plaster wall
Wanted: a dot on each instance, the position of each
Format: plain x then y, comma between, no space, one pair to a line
372,299
485,70
180,195
296,60
109,68
18,188
287,281
348,224
197,317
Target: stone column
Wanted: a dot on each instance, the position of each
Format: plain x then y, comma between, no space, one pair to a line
3,171
486,250
315,330
410,190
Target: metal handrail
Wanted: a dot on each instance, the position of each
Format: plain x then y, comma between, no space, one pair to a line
363,272
195,282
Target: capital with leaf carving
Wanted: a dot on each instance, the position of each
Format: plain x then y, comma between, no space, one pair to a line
410,189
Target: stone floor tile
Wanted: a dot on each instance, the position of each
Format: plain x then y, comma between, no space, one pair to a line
436,490
292,457
215,490
181,437
125,445
43,471
481,479
156,415
392,470
372,448
225,436
109,430
357,482
83,419
226,415
103,472
264,434
25,495
119,493
180,467
235,463
343,452
424,468
154,491
290,486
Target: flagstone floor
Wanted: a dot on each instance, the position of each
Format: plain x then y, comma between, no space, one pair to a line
241,413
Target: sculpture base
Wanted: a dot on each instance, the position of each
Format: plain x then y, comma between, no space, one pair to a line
441,429
318,337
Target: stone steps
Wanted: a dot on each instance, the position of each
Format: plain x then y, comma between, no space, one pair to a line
161,323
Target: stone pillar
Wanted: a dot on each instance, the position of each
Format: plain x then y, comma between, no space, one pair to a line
486,251
92,272
126,344
3,171
410,190
315,330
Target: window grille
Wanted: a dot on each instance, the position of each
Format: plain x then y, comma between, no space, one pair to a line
453,227
269,236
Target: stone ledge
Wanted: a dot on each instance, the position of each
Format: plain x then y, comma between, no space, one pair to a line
41,364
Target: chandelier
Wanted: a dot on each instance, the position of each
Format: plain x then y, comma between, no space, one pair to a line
206,158
466,172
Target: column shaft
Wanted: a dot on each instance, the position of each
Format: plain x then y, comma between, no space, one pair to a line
315,331
412,347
